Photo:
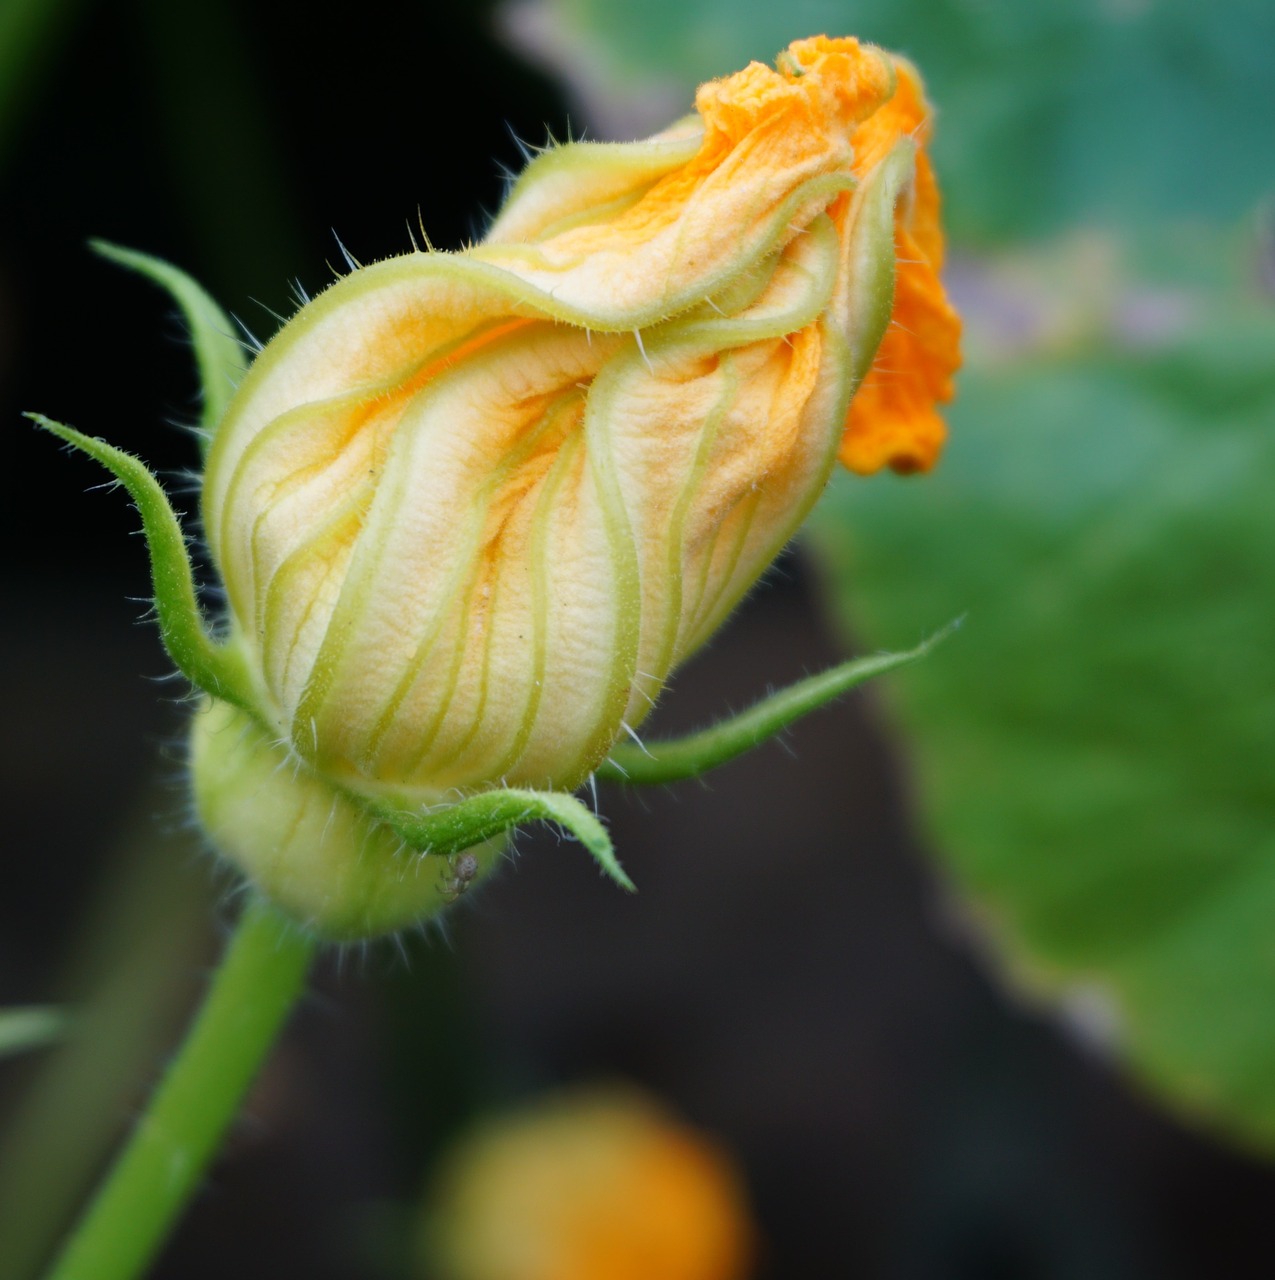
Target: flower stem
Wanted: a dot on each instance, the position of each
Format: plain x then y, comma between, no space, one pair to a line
252,992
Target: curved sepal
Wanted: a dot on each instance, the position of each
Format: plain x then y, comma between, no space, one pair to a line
218,353
454,827
865,284
671,761
203,662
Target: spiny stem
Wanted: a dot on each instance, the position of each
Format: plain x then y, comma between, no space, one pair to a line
252,992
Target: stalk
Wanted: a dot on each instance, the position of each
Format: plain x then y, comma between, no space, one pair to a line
252,992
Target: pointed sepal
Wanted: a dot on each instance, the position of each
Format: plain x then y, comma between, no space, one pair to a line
679,758
453,827
219,354
206,664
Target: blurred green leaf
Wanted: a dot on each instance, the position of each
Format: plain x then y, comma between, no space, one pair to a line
30,34
1114,110
29,1027
1096,750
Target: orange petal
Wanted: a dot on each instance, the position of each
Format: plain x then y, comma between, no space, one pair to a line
893,419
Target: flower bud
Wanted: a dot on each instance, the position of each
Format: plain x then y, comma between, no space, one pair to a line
472,509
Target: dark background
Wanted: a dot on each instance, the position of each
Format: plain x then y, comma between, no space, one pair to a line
791,976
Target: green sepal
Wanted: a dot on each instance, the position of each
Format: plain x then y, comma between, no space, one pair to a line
671,761
205,663
218,353
869,275
29,1027
343,863
468,822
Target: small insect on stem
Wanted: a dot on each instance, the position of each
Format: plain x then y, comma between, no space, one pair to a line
461,870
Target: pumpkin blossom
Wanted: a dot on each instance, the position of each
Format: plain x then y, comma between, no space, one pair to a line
471,509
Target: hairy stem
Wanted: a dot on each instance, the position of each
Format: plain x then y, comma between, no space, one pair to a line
252,992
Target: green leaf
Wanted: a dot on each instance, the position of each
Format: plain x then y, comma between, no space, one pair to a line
454,827
31,1027
1096,757
218,353
689,757
210,666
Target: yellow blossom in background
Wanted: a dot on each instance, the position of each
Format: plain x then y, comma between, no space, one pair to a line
472,509
591,1185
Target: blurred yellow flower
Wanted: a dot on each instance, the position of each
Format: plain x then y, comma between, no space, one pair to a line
592,1185
472,509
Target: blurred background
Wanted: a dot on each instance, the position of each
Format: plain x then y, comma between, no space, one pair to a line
971,977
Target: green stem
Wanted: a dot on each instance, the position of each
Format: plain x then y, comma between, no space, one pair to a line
252,992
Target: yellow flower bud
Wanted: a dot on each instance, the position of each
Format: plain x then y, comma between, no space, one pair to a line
472,509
